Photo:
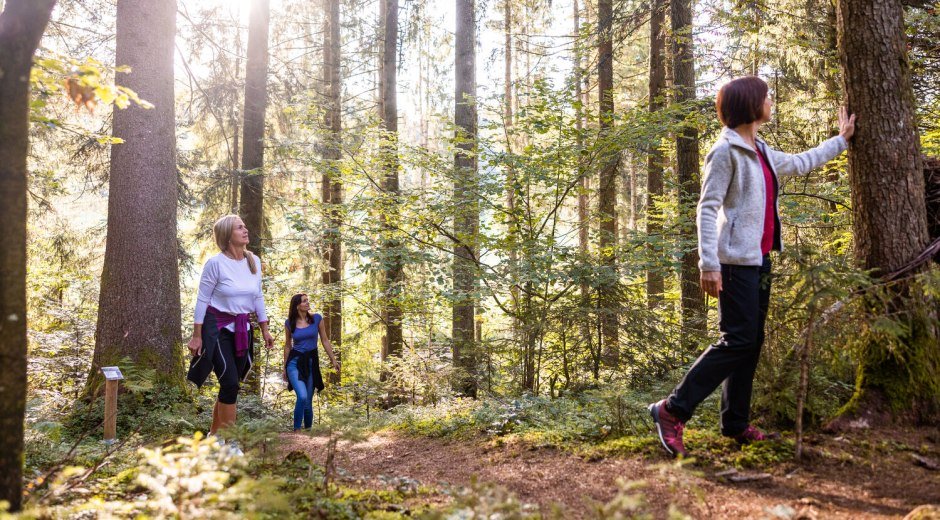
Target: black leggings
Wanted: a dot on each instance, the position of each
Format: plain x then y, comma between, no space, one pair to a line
227,367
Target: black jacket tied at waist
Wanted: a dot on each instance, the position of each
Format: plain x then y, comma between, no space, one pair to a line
307,363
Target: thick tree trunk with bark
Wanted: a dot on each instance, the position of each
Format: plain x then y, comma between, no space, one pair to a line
139,304
886,173
608,300
687,166
332,185
655,163
466,204
22,23
394,271
251,205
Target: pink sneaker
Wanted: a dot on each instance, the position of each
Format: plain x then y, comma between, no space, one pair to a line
669,429
752,434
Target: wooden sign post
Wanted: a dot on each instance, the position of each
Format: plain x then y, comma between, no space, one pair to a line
112,377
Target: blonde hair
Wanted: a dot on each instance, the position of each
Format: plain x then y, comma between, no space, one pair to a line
222,230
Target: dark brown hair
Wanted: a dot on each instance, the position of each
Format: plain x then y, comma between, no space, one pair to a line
293,312
741,101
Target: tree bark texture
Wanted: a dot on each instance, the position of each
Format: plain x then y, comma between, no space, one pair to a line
394,270
22,23
885,165
886,175
332,185
607,209
467,218
139,303
687,166
251,205
655,163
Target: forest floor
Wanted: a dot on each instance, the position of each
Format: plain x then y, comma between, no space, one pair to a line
866,474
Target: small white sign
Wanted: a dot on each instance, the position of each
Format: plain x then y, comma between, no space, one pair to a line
112,373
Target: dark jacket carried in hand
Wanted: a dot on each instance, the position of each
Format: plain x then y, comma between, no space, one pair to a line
201,366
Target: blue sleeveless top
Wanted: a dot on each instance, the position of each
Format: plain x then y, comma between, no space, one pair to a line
305,339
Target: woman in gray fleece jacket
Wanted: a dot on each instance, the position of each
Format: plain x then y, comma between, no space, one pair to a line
738,226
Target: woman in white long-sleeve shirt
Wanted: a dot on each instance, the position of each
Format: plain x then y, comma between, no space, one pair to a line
229,290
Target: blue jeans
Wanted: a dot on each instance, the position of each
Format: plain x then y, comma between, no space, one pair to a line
303,409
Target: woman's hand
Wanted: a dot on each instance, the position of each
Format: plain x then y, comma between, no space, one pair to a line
846,123
336,366
711,282
195,346
268,339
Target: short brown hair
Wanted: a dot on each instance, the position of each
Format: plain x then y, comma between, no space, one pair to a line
741,101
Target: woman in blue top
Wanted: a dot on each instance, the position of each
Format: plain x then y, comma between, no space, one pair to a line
301,363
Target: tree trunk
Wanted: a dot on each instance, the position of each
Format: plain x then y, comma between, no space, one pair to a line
886,172
139,304
332,186
235,122
467,219
655,163
607,210
22,23
693,301
512,221
251,205
583,204
394,274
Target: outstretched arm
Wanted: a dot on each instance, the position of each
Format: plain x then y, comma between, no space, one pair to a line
325,338
803,163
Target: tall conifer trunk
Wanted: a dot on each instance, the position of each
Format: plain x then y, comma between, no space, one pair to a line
22,23
332,183
687,166
609,302
251,205
467,219
655,160
394,271
139,304
886,174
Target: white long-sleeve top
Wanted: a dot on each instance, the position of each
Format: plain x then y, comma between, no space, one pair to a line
229,286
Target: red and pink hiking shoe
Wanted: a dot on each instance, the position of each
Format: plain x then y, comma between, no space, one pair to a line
669,429
752,434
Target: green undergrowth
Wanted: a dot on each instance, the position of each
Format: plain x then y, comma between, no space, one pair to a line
707,447
590,416
198,477
594,424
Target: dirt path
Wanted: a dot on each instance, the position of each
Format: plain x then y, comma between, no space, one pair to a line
848,489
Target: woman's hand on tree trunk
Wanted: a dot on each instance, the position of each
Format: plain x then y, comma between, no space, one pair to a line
846,124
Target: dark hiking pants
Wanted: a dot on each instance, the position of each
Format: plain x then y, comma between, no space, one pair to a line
731,362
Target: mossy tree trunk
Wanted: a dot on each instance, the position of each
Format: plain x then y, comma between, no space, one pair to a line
890,220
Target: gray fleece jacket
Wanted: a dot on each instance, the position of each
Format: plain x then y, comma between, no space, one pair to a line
731,212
